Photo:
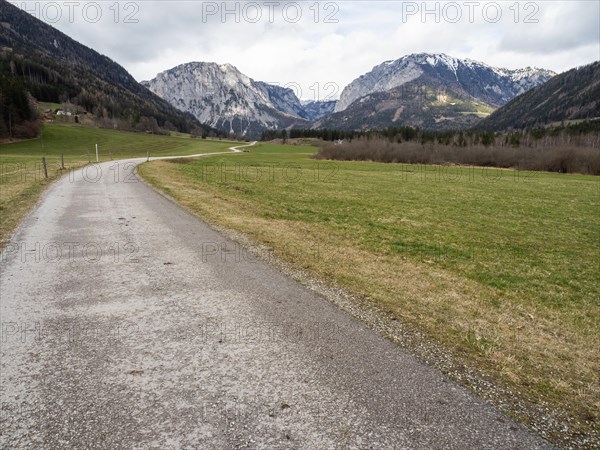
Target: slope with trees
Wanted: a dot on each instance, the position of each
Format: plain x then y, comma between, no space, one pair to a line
39,61
573,95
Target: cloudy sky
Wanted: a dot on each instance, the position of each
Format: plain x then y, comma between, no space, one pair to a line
319,47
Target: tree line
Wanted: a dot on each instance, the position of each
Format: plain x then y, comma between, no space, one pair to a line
584,133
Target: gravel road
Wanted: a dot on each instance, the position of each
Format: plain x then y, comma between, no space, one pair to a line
129,323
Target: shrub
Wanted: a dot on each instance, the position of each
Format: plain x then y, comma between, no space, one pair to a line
563,159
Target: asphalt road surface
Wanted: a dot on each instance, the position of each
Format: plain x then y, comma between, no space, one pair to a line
129,323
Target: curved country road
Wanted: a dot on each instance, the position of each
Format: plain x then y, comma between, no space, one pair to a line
129,323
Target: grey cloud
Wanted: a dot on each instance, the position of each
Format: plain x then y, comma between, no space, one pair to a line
562,26
174,32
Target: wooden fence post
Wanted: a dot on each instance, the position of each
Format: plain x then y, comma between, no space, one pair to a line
44,167
62,161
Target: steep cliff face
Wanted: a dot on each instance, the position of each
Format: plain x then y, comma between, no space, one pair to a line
314,110
283,99
225,98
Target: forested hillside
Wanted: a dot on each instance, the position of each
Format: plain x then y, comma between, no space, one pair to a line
573,95
40,62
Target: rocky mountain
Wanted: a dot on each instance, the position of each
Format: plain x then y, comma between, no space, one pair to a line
572,95
225,98
414,104
285,100
434,91
38,60
314,110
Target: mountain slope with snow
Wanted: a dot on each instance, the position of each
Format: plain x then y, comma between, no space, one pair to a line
494,86
433,91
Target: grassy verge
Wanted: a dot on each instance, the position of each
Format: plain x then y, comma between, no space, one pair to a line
499,267
21,177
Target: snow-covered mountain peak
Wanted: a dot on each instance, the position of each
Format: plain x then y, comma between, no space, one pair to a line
498,85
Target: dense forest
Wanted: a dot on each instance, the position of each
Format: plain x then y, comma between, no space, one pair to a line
18,116
585,133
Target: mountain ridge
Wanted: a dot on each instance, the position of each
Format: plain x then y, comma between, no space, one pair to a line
428,90
394,73
571,95
222,96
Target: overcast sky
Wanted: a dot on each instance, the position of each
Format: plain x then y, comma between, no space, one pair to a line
325,45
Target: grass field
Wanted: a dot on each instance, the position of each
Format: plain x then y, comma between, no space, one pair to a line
21,176
501,268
